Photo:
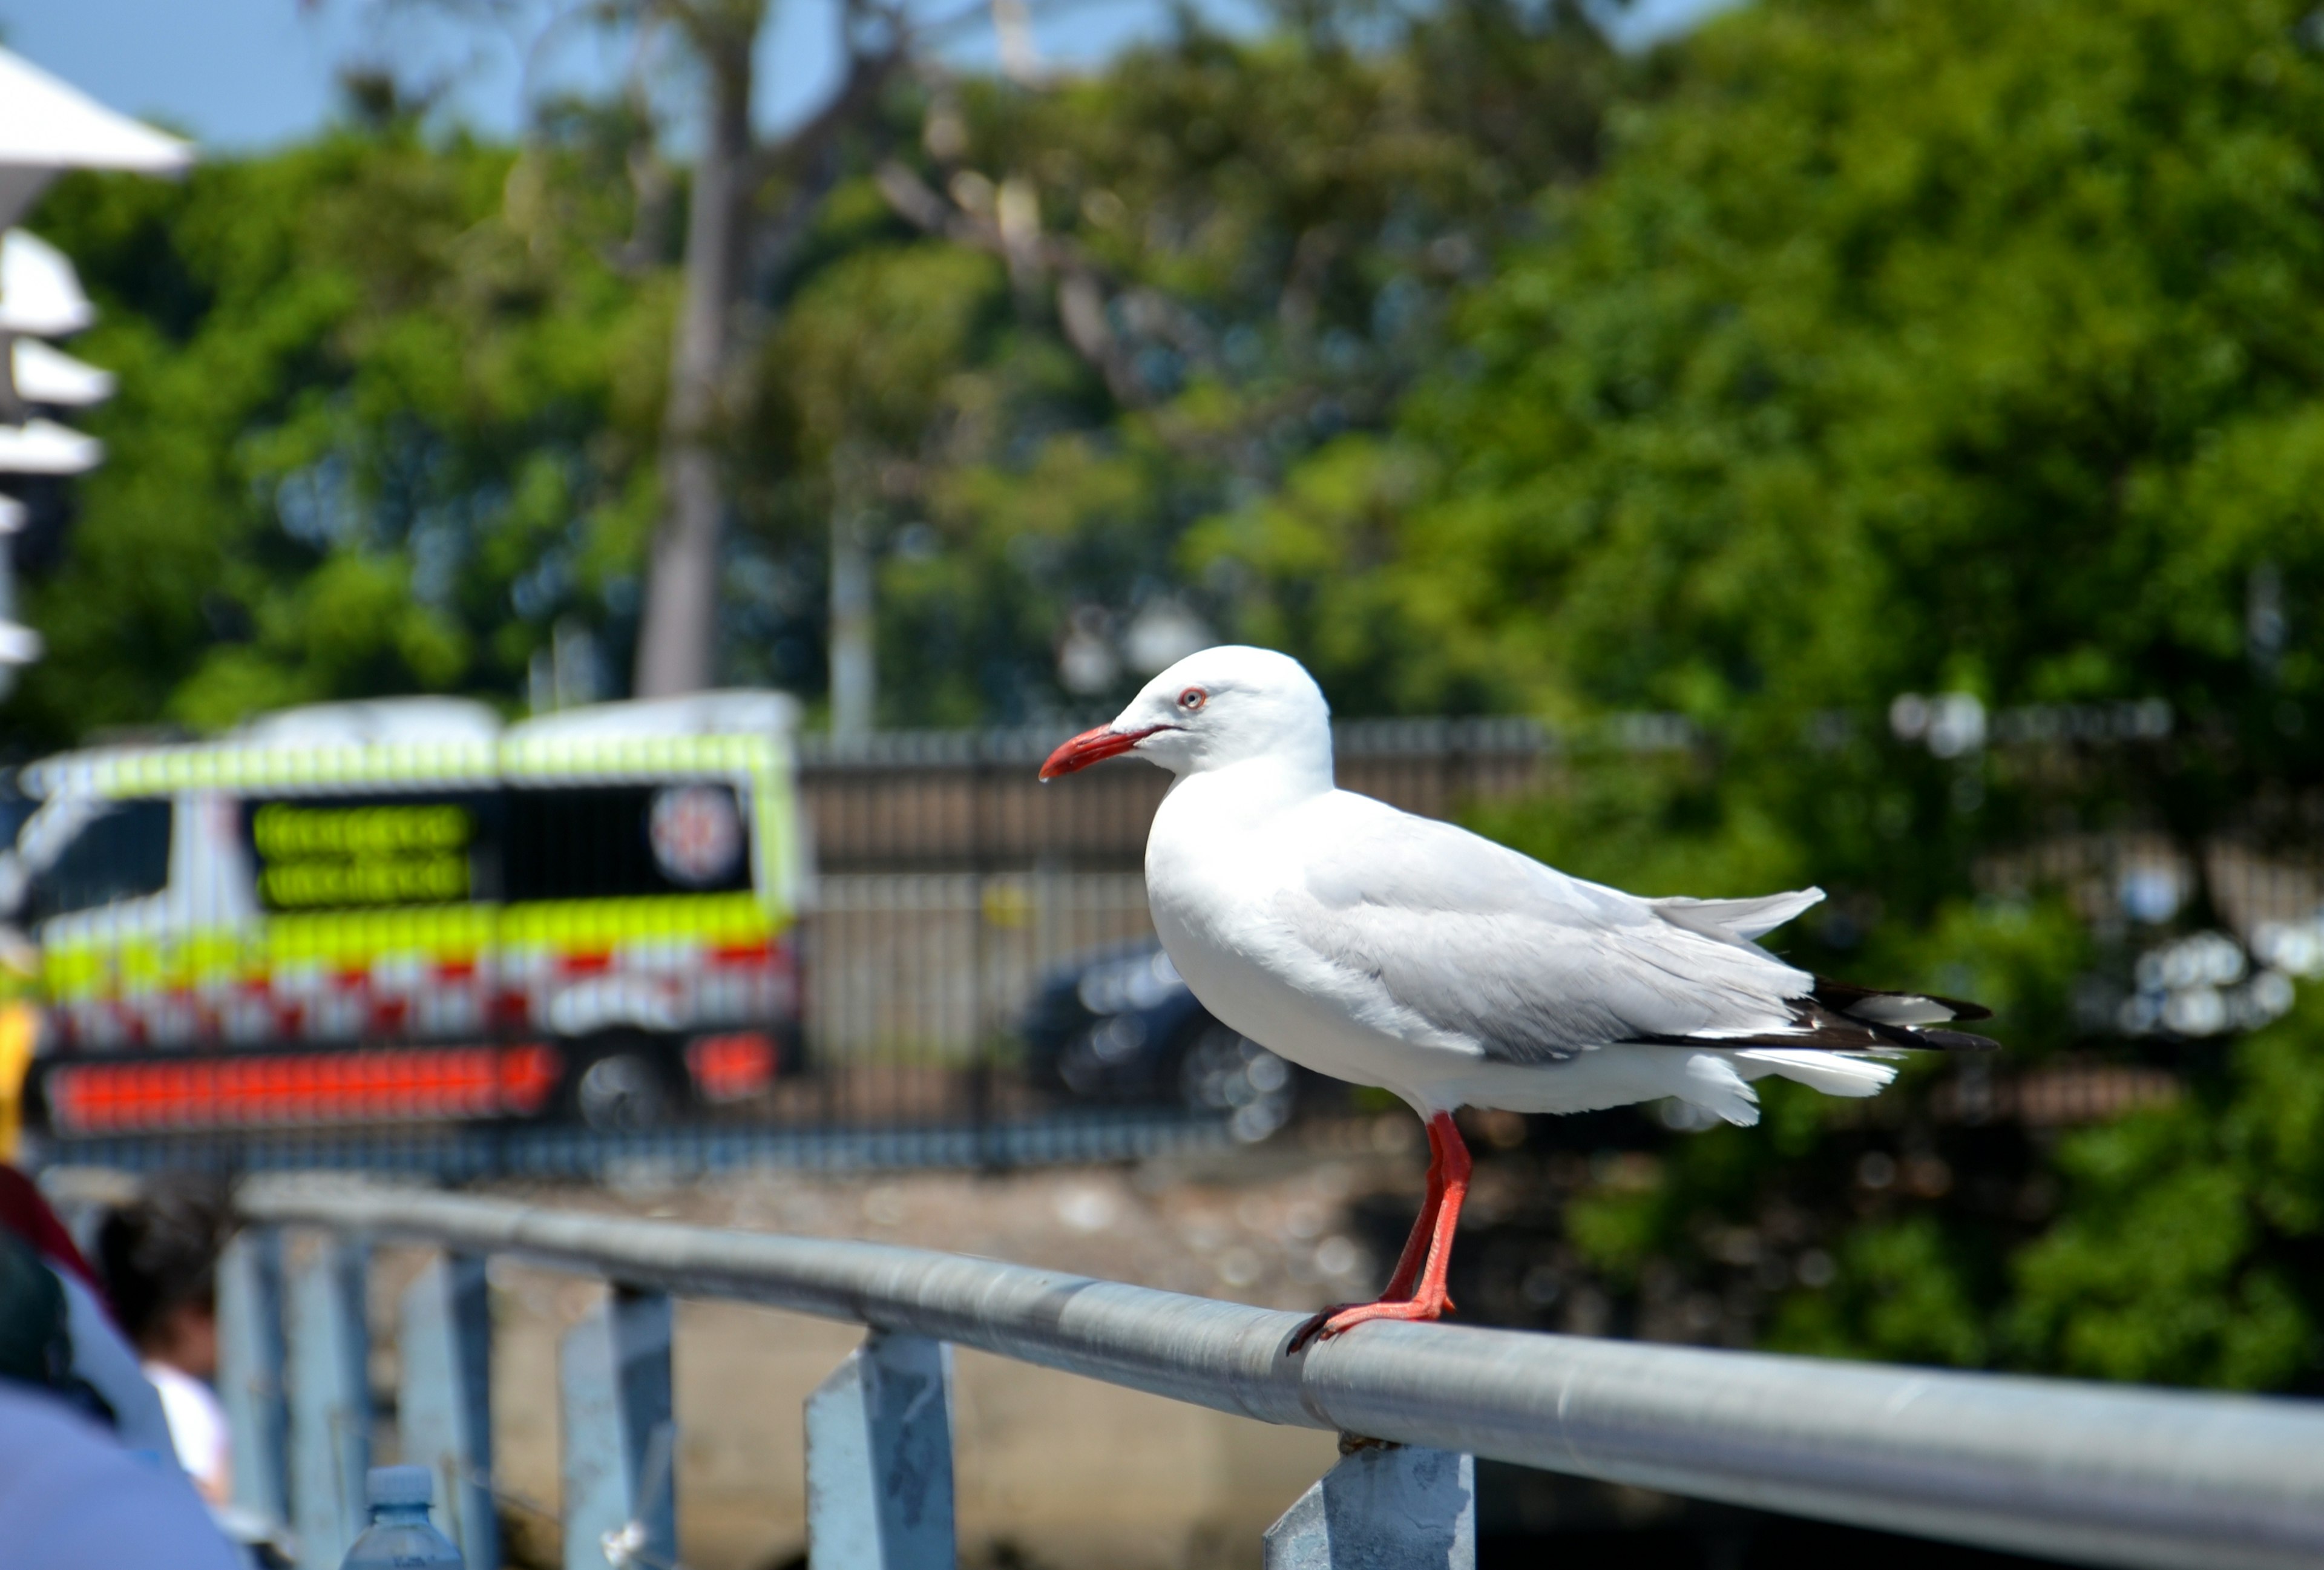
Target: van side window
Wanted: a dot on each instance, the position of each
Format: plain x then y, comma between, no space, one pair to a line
122,855
598,842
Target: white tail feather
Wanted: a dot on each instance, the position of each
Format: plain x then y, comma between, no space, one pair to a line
1712,1083
1736,919
1832,1073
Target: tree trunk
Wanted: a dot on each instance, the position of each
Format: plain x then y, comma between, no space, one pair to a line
855,661
677,644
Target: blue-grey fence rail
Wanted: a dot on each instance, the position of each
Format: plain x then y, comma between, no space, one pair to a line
2084,1473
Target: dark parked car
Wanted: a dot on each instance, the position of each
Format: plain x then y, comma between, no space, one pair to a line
1120,1026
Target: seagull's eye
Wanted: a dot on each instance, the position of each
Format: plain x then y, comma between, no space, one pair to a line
1193,698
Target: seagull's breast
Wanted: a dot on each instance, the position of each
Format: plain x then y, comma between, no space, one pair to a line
1217,884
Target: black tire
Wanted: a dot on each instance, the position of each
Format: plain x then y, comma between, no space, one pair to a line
623,1082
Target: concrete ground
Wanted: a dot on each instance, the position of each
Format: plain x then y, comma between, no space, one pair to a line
1051,1470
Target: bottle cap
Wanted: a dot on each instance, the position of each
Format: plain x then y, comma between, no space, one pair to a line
401,1485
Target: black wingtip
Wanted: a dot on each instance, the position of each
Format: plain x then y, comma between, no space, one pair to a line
1846,996
1954,1041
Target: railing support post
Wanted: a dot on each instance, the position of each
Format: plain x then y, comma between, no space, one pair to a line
621,1454
878,1459
1384,1507
249,1372
331,1397
444,1401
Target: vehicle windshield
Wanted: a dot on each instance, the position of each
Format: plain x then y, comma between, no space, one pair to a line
121,851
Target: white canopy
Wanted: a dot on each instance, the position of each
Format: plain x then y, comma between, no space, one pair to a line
47,375
19,644
732,711
47,126
39,293
376,721
42,447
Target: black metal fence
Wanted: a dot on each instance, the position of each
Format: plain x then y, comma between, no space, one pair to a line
953,893
950,889
951,885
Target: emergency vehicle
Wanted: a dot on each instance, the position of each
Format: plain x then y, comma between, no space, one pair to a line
405,912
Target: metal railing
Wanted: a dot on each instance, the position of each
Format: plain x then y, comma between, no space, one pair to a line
2085,1473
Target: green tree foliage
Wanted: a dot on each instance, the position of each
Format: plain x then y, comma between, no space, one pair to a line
1269,231
390,401
384,412
1903,347
2189,1249
1883,314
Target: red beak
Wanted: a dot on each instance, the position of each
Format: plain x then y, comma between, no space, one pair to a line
1093,747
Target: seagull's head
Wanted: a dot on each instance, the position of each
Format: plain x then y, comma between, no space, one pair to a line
1221,706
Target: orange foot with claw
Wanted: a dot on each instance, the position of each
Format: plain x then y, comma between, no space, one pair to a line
1342,1318
1416,1290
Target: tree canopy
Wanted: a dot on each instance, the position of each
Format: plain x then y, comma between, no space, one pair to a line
1909,348
385,413
393,398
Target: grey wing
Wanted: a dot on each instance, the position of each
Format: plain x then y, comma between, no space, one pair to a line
1452,935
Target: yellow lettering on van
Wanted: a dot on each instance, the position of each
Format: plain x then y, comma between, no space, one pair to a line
316,857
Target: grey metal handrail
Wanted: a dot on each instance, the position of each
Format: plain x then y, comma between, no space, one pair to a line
2091,1474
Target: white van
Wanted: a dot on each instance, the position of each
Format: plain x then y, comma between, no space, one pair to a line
404,910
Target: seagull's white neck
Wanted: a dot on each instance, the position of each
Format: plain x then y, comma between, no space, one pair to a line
1259,785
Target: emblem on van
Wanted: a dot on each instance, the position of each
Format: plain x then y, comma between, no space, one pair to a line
697,835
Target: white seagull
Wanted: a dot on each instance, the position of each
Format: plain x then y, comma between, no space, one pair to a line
1377,947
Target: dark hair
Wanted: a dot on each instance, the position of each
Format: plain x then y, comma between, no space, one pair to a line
158,1255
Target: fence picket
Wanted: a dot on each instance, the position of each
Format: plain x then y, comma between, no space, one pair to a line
619,1461
1384,1507
250,1386
444,1399
878,1459
329,1355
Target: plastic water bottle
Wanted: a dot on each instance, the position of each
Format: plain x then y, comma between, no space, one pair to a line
400,1536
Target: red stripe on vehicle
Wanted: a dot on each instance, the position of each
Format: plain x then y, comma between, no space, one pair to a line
422,1083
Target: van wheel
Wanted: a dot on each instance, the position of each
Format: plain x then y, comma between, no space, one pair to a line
623,1086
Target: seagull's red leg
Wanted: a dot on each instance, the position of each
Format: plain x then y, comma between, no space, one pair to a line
1430,1300
1400,1281
1440,1217
1423,1227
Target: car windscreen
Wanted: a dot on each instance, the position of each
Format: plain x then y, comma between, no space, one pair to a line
121,854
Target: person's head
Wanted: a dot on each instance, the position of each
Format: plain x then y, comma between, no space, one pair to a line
158,1259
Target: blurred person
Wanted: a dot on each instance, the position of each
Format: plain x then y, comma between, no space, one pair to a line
72,1496
158,1260
102,1361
